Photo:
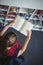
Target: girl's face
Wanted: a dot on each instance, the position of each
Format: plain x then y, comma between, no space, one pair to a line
11,41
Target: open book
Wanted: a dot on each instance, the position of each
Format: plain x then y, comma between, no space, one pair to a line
22,25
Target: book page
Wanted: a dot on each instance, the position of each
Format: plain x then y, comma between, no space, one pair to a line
26,26
18,22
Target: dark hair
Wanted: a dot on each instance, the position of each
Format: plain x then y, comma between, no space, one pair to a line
2,45
9,35
3,41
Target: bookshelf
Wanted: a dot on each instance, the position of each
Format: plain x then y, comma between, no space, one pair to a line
3,13
8,13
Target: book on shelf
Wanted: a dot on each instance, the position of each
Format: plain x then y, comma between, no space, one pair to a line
11,13
23,10
10,16
22,25
5,7
3,12
9,19
13,9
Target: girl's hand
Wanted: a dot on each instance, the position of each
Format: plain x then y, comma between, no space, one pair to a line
10,23
25,43
29,34
5,28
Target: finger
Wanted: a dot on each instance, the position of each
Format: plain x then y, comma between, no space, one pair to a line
27,31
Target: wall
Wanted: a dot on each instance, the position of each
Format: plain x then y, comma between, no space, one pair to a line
36,4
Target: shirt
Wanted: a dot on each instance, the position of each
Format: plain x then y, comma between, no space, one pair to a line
12,50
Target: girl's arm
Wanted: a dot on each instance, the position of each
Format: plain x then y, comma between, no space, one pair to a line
25,43
5,28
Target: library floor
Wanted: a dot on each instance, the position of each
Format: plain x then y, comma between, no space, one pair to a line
34,52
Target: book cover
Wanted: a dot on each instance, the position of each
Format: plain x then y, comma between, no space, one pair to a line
22,25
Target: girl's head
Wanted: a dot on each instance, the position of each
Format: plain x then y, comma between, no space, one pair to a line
10,38
7,41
